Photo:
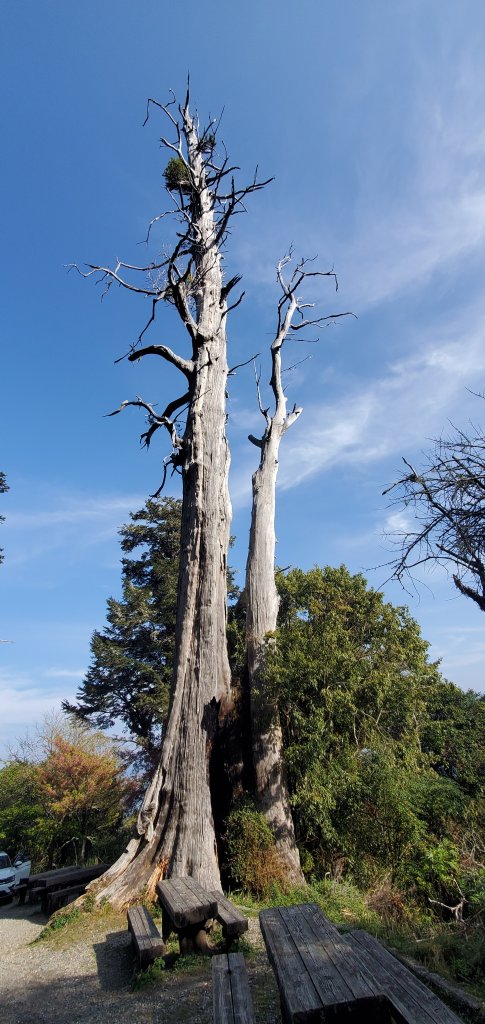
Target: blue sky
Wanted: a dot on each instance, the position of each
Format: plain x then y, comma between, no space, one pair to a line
370,116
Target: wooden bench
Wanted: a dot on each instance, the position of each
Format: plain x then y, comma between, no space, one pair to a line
231,997
319,976
415,1003
145,936
34,893
60,878
51,900
21,892
233,921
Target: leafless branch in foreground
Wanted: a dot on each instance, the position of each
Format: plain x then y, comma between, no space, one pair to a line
445,503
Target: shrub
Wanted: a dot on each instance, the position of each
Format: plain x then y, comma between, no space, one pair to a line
252,858
177,176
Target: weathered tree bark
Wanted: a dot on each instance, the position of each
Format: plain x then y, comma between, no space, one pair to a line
176,825
261,595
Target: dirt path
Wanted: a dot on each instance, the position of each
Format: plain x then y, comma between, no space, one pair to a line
84,974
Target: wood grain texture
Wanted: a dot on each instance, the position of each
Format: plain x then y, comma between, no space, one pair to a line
317,972
232,1002
414,1001
186,902
233,921
145,935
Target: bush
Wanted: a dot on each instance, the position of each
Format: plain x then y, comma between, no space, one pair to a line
252,858
177,176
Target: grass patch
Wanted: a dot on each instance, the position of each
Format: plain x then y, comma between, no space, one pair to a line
455,951
77,924
191,963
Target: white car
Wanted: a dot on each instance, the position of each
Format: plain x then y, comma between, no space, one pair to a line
12,874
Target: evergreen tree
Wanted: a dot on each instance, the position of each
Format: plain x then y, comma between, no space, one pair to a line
129,678
352,680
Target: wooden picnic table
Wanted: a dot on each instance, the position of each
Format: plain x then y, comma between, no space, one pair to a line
187,909
318,974
323,975
47,882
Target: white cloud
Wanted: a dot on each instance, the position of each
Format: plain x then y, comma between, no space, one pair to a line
395,413
25,704
77,510
63,673
77,521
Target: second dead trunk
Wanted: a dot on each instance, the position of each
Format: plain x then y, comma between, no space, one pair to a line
261,617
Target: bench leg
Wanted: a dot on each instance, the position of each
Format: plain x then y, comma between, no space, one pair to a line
167,926
195,940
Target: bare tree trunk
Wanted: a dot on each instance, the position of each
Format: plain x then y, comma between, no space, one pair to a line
176,821
177,816
261,594
262,611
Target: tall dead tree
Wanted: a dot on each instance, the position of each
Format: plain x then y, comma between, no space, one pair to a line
175,824
261,595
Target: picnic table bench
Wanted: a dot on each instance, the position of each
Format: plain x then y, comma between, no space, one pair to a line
233,921
69,881
318,974
231,997
190,910
145,936
414,1001
55,898
322,975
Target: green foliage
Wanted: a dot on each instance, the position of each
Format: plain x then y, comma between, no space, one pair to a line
22,820
376,742
454,736
64,801
129,679
59,921
252,859
177,175
457,954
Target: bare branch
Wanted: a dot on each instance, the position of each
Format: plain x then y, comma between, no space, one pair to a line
239,365
186,366
447,502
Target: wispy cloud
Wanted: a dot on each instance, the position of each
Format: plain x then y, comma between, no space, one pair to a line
395,413
58,521
407,223
63,673
25,703
77,510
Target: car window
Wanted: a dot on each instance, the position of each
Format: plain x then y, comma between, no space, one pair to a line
4,860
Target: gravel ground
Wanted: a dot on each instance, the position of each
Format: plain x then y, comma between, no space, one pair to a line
84,975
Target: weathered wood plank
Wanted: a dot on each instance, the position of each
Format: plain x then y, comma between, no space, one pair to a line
297,992
186,902
233,921
221,991
52,900
414,1001
145,935
231,994
323,948
316,969
241,995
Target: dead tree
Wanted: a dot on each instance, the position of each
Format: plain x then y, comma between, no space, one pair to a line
175,824
447,502
261,596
